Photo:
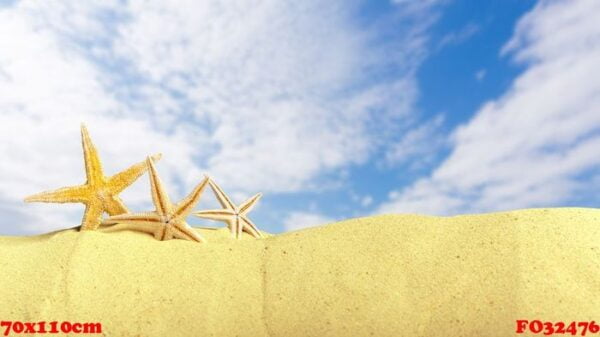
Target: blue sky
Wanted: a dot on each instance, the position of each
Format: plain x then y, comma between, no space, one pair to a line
333,111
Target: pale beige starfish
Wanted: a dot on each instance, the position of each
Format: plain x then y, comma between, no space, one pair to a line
168,221
235,217
99,193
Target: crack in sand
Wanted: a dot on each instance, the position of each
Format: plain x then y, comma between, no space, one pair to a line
60,281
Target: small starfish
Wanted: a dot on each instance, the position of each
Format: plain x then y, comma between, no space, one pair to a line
234,216
168,221
99,193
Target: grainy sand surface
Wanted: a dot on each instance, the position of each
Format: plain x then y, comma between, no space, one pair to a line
389,275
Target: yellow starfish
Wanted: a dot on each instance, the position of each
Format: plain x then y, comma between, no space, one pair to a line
234,216
99,193
168,221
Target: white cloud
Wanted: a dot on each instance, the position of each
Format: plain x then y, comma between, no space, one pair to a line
263,96
269,82
459,36
411,6
301,220
528,147
480,74
418,145
366,201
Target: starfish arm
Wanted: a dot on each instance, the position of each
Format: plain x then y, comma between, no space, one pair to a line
144,228
121,180
250,227
163,233
62,195
115,206
149,219
216,214
159,196
185,206
92,216
232,228
249,204
183,231
238,228
93,167
221,196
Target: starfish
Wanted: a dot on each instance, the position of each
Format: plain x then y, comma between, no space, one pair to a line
235,217
168,220
99,193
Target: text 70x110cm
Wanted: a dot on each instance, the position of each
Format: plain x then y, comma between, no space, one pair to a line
19,327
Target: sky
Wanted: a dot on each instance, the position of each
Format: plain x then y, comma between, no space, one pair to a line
333,110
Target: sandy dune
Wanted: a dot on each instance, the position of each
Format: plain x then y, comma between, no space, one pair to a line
389,275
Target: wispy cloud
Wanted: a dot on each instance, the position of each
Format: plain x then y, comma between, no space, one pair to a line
534,144
418,146
459,36
480,74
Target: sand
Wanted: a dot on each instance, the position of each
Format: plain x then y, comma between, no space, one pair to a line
389,275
